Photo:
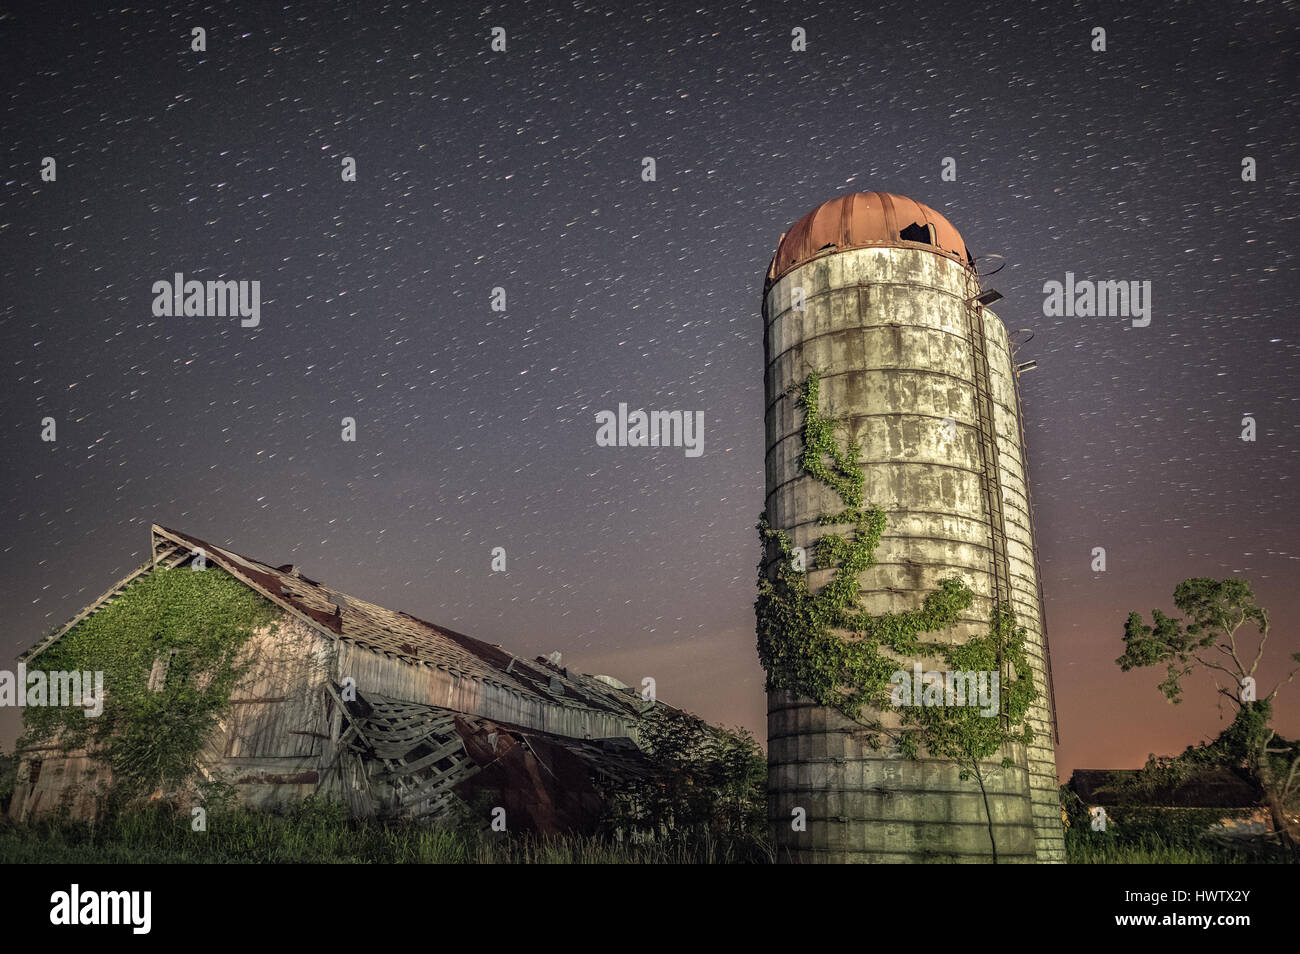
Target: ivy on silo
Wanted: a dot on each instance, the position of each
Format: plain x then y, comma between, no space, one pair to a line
823,645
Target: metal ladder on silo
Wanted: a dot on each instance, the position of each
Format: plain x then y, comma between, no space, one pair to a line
990,479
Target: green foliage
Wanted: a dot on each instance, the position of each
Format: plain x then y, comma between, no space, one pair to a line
1214,611
1208,638
822,645
154,836
961,733
1135,827
709,786
1156,850
843,475
1135,821
1138,833
1242,741
152,738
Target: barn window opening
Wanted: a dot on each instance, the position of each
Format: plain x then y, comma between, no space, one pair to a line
918,232
170,670
34,771
158,674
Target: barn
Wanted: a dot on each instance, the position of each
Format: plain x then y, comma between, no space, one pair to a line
338,697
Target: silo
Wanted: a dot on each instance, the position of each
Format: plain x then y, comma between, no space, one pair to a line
876,294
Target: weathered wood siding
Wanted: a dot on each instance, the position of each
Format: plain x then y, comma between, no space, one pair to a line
69,783
279,742
437,686
271,743
277,711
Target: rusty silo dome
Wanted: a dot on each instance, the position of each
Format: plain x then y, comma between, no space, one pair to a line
862,219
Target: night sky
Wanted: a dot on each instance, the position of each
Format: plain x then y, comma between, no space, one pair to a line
522,170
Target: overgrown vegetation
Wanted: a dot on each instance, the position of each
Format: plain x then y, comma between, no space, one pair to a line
824,646
963,733
1137,832
185,628
1210,639
799,632
318,832
170,647
709,789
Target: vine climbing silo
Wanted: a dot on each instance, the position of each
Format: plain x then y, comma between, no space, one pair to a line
891,393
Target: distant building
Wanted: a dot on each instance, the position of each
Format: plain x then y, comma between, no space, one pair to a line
1212,790
1210,787
392,715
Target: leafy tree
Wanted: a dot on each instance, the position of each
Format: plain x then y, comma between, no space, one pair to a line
1214,637
963,733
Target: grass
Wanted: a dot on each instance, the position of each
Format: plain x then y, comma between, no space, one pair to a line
319,837
1155,850
319,834
1152,854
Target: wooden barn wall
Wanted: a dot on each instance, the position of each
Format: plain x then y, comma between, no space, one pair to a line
279,741
441,687
69,782
271,745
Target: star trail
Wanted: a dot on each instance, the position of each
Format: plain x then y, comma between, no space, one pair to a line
521,170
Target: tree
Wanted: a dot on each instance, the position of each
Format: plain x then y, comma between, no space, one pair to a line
1214,637
965,734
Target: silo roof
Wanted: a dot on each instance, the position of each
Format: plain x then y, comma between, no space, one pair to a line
862,219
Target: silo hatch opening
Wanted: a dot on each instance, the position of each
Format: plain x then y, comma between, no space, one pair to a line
918,232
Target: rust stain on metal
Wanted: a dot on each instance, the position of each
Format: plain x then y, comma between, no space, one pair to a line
543,787
862,219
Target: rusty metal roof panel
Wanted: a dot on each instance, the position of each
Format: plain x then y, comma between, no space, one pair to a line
861,220
402,635
373,627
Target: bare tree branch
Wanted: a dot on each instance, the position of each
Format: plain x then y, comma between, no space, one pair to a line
1282,683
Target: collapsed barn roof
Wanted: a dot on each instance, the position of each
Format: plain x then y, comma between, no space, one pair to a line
435,759
386,632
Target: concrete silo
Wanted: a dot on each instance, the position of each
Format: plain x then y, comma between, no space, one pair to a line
876,294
